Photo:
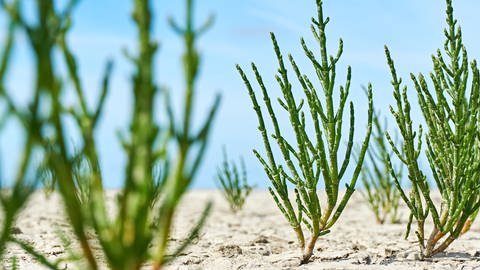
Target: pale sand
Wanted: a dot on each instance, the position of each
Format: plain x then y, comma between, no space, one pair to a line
260,238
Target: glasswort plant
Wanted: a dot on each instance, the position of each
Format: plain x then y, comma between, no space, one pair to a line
452,115
310,158
233,182
31,120
46,128
138,233
380,191
12,201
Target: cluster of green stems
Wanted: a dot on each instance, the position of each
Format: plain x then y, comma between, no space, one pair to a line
232,181
307,159
379,188
452,117
140,230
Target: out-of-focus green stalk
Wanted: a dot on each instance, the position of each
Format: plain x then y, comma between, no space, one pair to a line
41,37
233,183
186,162
379,187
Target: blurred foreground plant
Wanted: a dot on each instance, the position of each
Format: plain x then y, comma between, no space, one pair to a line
233,182
380,191
139,231
308,159
452,115
14,197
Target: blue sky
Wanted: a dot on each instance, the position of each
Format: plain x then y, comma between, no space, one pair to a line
101,29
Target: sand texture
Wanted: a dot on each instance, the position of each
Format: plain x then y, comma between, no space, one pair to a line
259,238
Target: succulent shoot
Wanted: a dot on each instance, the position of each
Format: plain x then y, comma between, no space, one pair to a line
310,157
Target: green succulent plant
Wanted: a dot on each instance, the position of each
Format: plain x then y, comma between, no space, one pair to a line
233,182
451,112
309,158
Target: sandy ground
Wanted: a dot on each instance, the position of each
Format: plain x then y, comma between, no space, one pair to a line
260,238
